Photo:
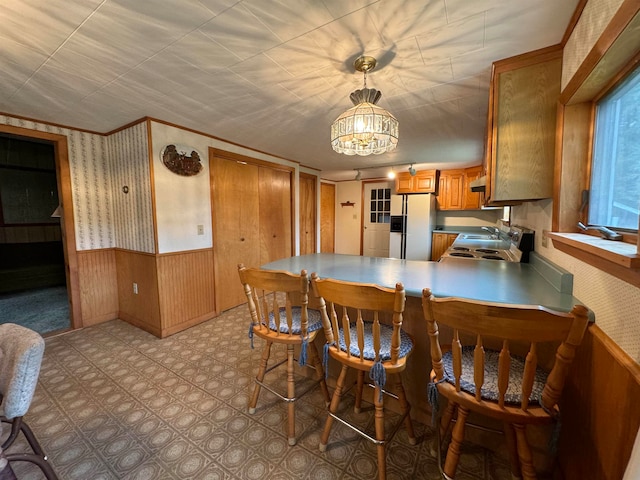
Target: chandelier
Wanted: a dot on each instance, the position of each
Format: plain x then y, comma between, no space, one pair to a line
366,128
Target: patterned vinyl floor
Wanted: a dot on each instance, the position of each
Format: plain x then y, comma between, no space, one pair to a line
114,402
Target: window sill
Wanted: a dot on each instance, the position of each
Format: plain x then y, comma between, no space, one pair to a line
616,258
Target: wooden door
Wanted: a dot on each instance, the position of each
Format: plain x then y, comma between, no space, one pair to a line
472,200
327,217
235,227
275,195
307,213
377,210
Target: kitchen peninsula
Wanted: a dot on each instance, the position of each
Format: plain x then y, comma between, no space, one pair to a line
535,283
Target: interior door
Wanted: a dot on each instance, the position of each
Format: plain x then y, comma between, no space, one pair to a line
377,212
327,217
275,195
307,214
236,227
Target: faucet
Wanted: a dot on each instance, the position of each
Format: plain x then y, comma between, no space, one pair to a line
604,231
495,232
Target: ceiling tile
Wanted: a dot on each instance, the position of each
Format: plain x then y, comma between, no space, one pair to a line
217,6
397,22
340,8
240,32
455,39
460,9
261,71
201,51
289,19
300,56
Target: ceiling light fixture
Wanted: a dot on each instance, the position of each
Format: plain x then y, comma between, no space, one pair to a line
412,171
392,174
366,128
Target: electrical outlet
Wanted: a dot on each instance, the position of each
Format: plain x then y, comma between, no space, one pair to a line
135,288
545,238
200,229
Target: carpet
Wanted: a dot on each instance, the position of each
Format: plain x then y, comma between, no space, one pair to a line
43,310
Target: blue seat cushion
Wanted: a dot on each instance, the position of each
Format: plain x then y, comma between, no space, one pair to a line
406,345
489,390
314,321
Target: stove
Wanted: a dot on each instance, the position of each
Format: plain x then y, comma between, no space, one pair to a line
511,246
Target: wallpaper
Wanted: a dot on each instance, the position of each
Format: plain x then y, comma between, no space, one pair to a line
595,17
91,191
128,152
615,303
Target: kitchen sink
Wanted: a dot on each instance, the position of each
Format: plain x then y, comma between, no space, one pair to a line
475,237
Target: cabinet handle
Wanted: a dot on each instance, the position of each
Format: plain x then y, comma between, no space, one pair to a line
242,239
274,236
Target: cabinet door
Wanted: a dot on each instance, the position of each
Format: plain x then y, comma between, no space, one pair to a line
327,217
443,189
307,214
404,183
472,200
525,92
236,235
455,190
425,181
437,245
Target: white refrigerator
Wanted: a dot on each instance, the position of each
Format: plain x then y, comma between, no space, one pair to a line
413,220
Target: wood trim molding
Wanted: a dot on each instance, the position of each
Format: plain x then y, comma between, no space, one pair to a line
622,266
616,27
527,59
44,122
573,22
152,186
217,152
63,175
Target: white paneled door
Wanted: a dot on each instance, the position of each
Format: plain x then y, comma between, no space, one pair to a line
375,222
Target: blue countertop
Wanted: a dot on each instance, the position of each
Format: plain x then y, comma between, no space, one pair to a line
503,282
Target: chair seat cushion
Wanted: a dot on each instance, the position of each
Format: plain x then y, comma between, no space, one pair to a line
406,344
489,389
314,321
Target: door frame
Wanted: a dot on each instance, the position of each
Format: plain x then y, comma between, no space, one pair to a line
67,224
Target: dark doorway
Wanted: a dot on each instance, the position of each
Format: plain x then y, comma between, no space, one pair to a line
33,288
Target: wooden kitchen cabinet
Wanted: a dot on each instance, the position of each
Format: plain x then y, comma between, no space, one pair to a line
451,190
439,244
424,181
522,126
472,200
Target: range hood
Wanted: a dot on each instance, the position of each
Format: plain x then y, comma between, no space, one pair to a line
479,184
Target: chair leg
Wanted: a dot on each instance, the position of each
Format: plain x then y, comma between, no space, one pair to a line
291,395
253,401
512,447
333,408
357,408
41,462
379,422
457,436
447,417
406,409
15,430
315,360
524,454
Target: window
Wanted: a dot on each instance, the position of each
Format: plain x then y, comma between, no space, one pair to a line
614,200
380,205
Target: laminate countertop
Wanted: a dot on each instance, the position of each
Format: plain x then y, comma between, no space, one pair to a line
485,280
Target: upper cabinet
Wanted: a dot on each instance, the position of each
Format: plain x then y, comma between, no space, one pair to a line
522,126
454,191
424,181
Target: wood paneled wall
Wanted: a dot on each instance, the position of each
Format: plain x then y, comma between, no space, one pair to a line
141,309
186,290
31,234
98,286
602,410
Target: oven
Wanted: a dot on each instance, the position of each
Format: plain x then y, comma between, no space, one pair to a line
511,246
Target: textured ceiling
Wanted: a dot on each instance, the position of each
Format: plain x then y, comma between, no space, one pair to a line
272,74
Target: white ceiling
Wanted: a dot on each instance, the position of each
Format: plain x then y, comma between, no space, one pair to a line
272,74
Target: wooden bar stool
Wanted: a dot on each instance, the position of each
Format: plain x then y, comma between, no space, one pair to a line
278,304
494,382
363,343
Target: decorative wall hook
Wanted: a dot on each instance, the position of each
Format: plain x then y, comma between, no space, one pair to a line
347,204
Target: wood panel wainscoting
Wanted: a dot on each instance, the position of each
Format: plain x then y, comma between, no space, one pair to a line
98,285
186,289
602,417
141,309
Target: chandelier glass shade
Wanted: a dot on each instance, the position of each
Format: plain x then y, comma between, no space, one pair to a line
365,128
